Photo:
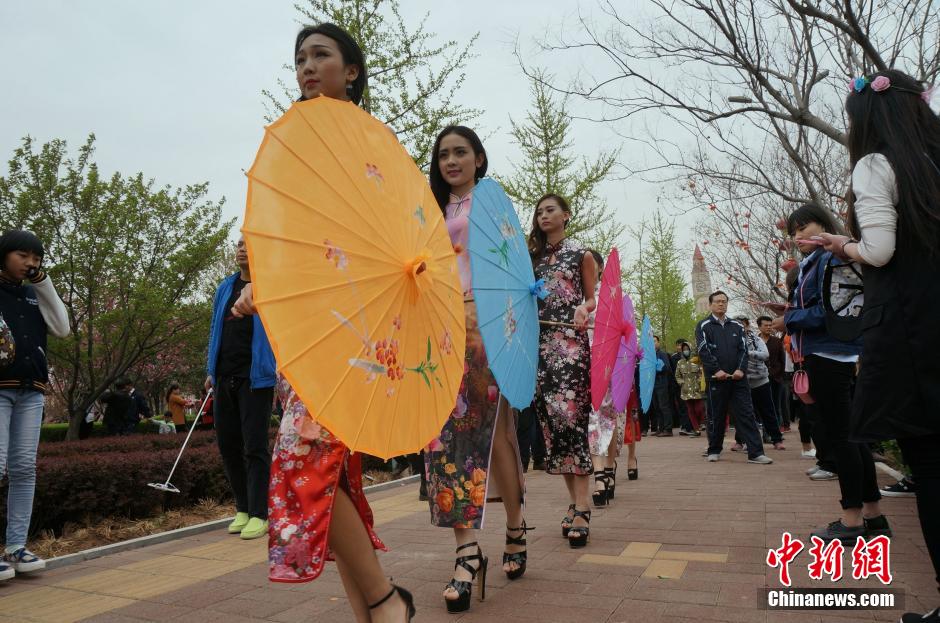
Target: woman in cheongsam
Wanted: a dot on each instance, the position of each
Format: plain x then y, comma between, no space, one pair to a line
476,456
316,506
564,379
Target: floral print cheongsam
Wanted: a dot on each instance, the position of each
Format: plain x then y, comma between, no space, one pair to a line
604,425
309,465
564,379
458,460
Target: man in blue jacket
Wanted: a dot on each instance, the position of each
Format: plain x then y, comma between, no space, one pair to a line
242,371
723,353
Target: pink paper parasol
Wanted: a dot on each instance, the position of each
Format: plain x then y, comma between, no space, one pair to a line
621,383
609,329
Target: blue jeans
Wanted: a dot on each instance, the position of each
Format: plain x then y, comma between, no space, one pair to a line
20,421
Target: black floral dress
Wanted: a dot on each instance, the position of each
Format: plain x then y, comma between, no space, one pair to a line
564,378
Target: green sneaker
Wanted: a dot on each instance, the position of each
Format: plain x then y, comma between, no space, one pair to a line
255,528
241,520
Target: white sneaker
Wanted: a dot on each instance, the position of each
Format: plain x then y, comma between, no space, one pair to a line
821,474
712,458
762,459
24,561
812,470
6,571
808,454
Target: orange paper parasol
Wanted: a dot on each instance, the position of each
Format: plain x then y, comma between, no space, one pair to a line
355,277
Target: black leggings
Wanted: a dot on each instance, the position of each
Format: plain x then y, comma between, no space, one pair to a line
922,455
830,384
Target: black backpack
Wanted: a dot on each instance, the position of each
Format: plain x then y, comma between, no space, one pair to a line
843,296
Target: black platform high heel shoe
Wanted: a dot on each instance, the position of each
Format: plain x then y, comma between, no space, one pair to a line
602,497
634,472
612,472
579,536
518,557
463,587
566,521
405,597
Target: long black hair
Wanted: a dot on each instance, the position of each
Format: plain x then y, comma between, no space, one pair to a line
812,213
439,186
537,238
898,123
352,54
19,240
169,392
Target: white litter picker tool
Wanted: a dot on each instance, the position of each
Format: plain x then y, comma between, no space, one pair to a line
168,486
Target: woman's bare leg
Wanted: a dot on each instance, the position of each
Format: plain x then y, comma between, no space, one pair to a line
581,488
357,600
600,462
612,451
504,468
350,541
463,536
631,455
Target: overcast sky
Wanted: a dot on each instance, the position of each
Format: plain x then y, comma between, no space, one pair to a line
173,88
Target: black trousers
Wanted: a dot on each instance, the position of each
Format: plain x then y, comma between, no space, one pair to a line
780,392
719,395
922,456
763,400
675,397
662,407
529,435
242,418
830,384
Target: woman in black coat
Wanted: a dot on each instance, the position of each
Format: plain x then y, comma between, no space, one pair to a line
894,149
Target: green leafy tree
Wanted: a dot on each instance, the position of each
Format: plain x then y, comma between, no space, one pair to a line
414,80
657,282
549,166
130,261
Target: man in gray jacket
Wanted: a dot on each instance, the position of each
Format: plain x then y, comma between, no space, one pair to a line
758,378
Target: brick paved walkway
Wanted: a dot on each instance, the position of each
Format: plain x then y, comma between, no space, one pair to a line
686,542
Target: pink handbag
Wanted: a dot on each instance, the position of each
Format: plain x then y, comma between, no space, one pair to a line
801,386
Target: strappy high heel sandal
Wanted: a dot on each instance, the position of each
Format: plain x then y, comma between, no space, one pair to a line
612,472
634,472
578,536
566,521
518,557
463,587
405,597
602,497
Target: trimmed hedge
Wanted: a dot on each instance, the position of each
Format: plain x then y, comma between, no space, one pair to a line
96,478
57,431
100,477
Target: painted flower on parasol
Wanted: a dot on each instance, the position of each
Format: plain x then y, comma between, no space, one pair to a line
505,292
355,278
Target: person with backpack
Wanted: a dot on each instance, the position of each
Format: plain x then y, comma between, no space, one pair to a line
829,363
894,217
32,309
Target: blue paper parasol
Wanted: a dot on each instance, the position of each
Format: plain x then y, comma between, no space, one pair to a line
505,292
647,364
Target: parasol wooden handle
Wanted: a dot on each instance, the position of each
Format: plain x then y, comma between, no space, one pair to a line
553,323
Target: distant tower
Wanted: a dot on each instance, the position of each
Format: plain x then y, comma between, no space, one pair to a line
701,282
